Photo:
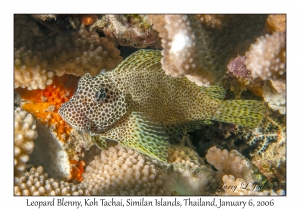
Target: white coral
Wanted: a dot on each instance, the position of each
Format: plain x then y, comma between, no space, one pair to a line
24,134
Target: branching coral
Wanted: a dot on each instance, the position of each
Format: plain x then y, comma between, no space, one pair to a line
121,171
36,182
233,163
194,46
29,71
24,134
38,54
189,171
43,104
276,99
239,175
55,144
197,46
266,59
128,30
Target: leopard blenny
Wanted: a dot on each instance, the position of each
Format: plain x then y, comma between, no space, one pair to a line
141,107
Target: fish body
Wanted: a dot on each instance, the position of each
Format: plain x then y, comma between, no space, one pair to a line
140,106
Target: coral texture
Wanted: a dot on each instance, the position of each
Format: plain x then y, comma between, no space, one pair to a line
25,133
233,163
276,23
121,171
266,59
56,140
36,182
39,54
193,46
128,30
276,98
246,54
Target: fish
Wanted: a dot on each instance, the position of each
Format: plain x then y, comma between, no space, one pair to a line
141,107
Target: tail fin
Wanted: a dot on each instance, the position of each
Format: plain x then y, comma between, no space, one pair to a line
248,113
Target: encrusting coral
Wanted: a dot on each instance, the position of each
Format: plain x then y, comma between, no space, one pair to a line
128,30
25,133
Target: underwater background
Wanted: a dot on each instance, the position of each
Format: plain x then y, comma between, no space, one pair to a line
245,54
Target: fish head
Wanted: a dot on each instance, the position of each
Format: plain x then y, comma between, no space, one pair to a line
96,105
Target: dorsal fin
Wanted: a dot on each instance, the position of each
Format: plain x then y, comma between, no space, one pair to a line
215,92
142,59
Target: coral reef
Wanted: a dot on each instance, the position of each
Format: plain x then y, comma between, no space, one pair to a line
233,163
237,171
121,171
56,147
126,172
271,157
266,59
268,131
25,133
246,54
193,46
276,23
128,30
28,72
36,182
38,55
44,104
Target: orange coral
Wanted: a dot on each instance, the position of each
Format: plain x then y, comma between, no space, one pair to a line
44,104
77,169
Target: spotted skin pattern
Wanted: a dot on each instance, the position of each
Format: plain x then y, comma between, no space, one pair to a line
137,104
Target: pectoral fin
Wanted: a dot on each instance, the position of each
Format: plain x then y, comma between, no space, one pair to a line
147,136
99,141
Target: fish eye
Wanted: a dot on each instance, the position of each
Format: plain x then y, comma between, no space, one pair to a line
100,95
